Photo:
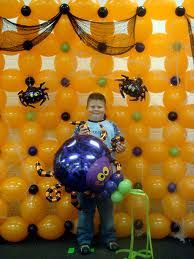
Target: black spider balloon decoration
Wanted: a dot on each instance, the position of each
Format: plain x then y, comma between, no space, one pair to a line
132,87
33,95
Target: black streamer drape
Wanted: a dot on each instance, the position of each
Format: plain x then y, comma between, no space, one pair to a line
191,33
110,38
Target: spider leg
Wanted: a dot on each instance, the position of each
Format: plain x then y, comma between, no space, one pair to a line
20,92
42,84
53,193
122,94
31,105
41,172
23,102
43,100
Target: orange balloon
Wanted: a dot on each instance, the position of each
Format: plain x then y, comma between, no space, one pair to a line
155,151
155,116
51,227
33,209
3,170
13,189
14,229
31,133
174,134
79,113
48,47
188,223
138,169
83,82
27,20
175,25
103,31
47,150
174,169
65,210
156,81
174,207
3,211
159,225
121,10
12,80
160,11
138,63
11,9
29,63
155,186
187,152
137,133
66,98
65,63
44,10
186,116
2,62
49,117
176,63
188,80
51,79
3,98
185,187
120,115
13,116
86,10
174,97
80,49
189,7
44,184
158,45
101,64
136,204
3,133
122,224
13,152
64,131
64,31
143,24
28,169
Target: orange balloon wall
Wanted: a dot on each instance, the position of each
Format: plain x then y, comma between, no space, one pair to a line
161,127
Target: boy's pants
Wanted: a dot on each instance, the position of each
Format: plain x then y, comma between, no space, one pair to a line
86,216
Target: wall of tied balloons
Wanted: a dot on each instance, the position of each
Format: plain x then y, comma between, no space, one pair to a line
159,130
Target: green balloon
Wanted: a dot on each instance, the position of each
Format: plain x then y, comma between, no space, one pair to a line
102,81
65,47
116,197
31,116
174,151
125,186
136,116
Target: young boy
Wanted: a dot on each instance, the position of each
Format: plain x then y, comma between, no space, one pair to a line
96,108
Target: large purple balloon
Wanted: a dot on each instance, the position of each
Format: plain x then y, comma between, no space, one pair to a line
83,163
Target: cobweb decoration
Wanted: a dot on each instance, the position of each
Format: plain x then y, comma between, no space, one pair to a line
111,38
191,32
17,37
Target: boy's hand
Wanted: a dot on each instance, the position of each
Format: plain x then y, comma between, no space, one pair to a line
84,130
120,147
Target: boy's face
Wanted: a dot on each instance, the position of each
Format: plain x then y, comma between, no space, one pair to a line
96,110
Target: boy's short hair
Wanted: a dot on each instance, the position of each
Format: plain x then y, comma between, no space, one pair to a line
96,96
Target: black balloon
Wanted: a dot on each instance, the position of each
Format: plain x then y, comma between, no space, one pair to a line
32,229
25,10
141,11
139,47
29,81
68,225
102,12
180,11
27,45
138,224
33,189
64,8
172,116
65,116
